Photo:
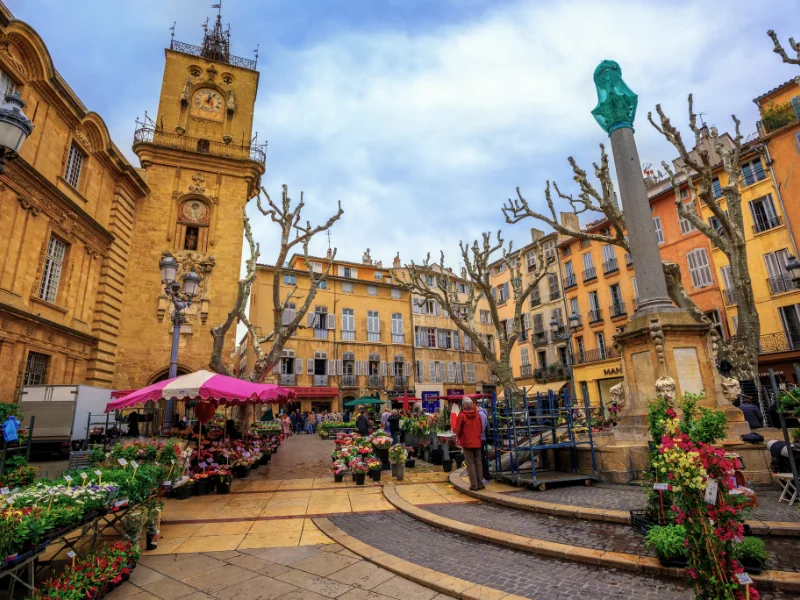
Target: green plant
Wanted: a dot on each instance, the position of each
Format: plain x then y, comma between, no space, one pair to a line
398,454
711,427
751,549
789,402
775,116
668,541
796,434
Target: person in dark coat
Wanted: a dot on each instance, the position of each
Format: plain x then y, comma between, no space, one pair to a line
299,422
362,423
133,424
394,426
751,413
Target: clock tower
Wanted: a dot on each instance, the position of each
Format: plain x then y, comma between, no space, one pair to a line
201,167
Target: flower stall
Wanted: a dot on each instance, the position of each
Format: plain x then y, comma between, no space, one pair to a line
361,456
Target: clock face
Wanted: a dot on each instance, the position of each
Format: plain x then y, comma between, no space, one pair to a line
195,211
208,103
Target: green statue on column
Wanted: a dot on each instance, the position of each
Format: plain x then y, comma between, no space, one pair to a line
616,102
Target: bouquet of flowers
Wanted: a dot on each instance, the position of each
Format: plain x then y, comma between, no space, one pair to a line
364,451
382,442
358,466
373,464
398,454
338,467
96,431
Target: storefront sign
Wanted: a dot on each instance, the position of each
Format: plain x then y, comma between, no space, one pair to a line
392,394
429,405
613,371
454,392
316,392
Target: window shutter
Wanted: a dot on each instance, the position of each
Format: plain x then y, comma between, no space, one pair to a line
310,366
383,369
341,271
407,369
354,273
311,319
796,106
331,367
420,374
358,368
494,293
339,367
432,373
437,308
277,368
456,340
690,260
505,285
331,321
451,371
285,316
298,366
459,378
415,306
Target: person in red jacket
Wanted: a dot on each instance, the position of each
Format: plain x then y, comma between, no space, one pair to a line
468,430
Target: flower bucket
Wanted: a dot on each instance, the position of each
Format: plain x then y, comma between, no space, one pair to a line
241,472
265,458
447,465
383,454
224,487
255,465
376,474
401,471
360,478
338,477
152,540
411,463
459,460
183,493
394,469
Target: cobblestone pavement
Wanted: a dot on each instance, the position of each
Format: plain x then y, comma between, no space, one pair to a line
304,573
508,570
628,497
784,552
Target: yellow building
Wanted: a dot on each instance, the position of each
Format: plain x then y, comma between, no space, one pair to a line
67,206
600,289
201,170
539,358
356,339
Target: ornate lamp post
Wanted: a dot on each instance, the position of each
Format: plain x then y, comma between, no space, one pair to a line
14,127
181,300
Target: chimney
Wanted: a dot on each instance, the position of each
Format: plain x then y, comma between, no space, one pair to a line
536,234
570,220
396,263
329,254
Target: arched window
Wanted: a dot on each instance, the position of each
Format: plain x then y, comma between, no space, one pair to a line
192,226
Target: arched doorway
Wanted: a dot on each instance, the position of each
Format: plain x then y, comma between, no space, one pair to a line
164,374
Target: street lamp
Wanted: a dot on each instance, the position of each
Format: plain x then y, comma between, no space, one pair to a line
793,268
14,127
181,298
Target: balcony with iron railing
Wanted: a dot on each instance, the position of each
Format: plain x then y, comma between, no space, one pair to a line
375,381
781,284
780,342
610,266
589,274
775,118
765,224
525,370
539,338
287,379
570,281
191,49
321,380
551,373
348,336
596,355
617,309
400,381
555,295
349,381
595,316
559,333
535,300
166,139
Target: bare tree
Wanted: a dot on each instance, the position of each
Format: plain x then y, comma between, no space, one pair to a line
696,169
779,50
431,281
285,321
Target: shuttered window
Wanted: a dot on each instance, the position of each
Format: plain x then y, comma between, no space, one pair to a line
373,326
699,268
397,329
659,229
53,265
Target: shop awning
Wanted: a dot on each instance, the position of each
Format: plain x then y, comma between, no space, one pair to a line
544,387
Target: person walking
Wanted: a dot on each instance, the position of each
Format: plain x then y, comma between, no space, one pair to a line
286,426
312,417
362,423
299,424
393,423
384,418
484,455
468,430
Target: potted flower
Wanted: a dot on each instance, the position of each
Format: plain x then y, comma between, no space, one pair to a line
201,486
398,456
224,480
410,461
339,468
668,541
375,465
241,467
359,469
752,553
266,455
382,443
183,488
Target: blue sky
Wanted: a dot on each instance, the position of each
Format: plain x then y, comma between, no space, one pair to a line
422,116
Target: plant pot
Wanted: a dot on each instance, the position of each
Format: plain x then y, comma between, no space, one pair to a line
427,455
183,493
678,563
360,478
201,487
224,487
459,460
255,465
383,454
376,475
447,465
241,472
265,459
410,463
338,477
437,455
152,540
753,567
401,471
394,469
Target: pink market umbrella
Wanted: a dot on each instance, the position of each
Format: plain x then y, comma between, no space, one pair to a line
205,385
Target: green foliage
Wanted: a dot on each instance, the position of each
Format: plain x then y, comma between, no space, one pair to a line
15,461
775,116
96,456
656,415
796,434
668,541
711,427
789,402
751,548
8,408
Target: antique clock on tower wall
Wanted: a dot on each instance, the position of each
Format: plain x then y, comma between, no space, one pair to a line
208,104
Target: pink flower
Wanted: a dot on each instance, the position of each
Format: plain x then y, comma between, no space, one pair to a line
692,573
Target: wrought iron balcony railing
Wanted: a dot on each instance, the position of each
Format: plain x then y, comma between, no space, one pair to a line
595,316
780,342
610,266
569,281
596,355
236,61
539,338
535,300
551,373
766,224
400,381
166,139
375,381
589,274
555,295
321,380
349,381
525,370
287,378
617,309
780,284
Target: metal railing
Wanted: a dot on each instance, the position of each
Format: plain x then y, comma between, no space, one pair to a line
595,316
375,381
287,379
320,334
237,61
610,266
555,295
166,139
773,120
766,224
569,281
400,381
559,333
398,338
779,342
617,309
780,284
535,300
349,381
589,274
551,372
754,177
348,336
596,355
539,338
525,370
321,380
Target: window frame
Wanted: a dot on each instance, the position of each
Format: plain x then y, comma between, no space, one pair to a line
72,173
52,270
